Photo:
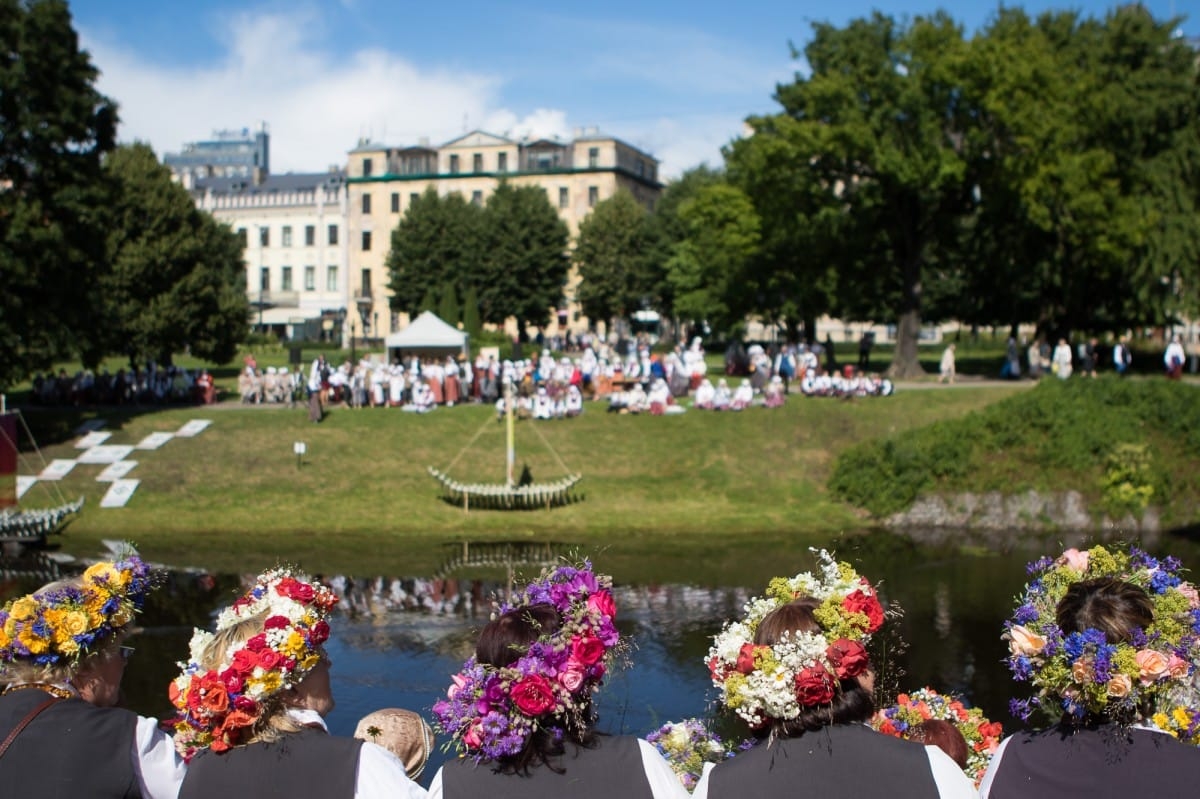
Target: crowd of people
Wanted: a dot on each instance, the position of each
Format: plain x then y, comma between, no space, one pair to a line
1107,640
136,386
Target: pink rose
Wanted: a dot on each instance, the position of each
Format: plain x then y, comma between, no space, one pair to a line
1024,641
1152,665
571,679
587,649
1075,560
602,602
848,658
1119,686
533,695
1177,667
814,686
1189,591
472,737
745,658
458,683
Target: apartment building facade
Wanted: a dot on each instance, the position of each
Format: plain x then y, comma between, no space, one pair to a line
384,181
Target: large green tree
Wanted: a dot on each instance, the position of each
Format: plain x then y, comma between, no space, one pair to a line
438,243
177,279
54,129
668,229
614,254
525,257
708,268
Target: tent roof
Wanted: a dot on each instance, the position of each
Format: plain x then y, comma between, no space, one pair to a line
426,332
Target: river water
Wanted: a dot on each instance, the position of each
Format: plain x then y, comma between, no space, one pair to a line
398,638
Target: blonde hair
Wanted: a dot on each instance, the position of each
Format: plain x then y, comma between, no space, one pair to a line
273,722
23,671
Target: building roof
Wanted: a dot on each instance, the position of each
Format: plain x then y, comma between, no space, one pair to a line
306,181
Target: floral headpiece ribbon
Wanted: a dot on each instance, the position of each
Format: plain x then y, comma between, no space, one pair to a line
1081,674
60,625
764,683
491,712
220,706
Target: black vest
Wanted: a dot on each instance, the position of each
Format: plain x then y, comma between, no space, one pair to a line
1102,761
612,768
71,748
845,761
306,763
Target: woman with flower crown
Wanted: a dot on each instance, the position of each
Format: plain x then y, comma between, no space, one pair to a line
253,697
62,657
1110,642
520,712
796,670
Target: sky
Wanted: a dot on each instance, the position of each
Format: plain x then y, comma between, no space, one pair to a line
676,79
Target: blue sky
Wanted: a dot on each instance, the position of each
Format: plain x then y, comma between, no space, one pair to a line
674,78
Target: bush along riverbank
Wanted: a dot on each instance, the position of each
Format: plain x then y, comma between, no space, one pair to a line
1082,454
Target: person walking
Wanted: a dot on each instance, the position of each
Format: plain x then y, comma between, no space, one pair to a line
946,368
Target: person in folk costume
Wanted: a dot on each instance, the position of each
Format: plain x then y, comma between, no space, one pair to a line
588,365
543,406
774,396
722,397
797,672
521,712
704,395
62,659
743,396
252,702
574,405
659,397
451,388
1174,358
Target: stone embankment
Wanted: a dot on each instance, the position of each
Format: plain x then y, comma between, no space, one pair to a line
992,516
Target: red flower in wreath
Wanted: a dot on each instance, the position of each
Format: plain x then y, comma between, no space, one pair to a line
814,686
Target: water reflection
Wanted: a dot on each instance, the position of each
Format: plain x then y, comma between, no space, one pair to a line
396,640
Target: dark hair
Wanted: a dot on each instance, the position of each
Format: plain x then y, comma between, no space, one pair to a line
502,642
1114,607
851,702
943,735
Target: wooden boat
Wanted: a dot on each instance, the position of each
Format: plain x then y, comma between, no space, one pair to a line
509,495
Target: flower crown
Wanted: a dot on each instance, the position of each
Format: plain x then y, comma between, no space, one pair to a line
219,707
982,736
1081,674
773,683
687,745
60,625
491,712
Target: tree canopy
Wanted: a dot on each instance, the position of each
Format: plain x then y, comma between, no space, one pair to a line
615,255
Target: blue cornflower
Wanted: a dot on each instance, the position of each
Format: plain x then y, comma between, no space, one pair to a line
1021,708
1025,614
1021,668
1041,564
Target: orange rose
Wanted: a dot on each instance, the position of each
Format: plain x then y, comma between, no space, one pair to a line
1024,641
1152,665
1119,686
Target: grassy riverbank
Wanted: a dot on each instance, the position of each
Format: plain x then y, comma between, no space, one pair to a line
235,497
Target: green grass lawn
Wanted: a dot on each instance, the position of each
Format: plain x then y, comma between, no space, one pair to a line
235,497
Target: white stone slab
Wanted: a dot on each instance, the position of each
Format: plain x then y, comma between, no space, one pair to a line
115,471
106,453
24,483
93,439
57,469
154,441
89,426
193,428
119,493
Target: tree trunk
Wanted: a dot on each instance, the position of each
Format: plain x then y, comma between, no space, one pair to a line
905,363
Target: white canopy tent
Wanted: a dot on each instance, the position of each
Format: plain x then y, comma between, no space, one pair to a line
427,335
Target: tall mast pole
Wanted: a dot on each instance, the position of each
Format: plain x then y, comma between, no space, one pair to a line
510,452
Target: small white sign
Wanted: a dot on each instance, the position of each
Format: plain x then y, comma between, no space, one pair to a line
89,426
106,453
24,483
119,493
57,469
154,441
94,439
299,448
193,428
116,471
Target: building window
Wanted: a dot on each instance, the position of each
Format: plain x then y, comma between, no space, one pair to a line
454,165
242,237
477,162
264,279
286,235
476,198
641,168
366,283
593,196
395,202
366,240
593,157
331,278
333,234
366,204
285,279
310,278
264,236
367,167
310,235
412,198
502,162
564,197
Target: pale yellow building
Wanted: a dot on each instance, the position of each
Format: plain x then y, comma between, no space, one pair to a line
383,182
